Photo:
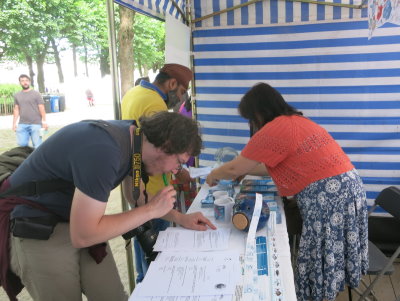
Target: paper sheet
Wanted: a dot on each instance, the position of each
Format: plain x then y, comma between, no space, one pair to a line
192,274
196,172
135,297
179,239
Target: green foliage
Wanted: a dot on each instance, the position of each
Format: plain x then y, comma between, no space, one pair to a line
149,43
7,92
27,25
86,25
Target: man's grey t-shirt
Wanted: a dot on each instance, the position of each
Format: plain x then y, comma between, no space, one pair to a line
28,106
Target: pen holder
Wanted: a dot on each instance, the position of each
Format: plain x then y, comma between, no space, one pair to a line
243,213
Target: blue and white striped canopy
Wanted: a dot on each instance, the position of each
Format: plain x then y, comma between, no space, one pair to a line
272,12
323,64
156,8
320,59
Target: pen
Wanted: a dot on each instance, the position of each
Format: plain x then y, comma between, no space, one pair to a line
164,176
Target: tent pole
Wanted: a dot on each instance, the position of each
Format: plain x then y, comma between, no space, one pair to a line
117,115
113,59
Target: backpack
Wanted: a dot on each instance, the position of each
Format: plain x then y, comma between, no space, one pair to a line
11,159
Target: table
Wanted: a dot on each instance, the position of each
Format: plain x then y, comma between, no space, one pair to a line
276,282
238,242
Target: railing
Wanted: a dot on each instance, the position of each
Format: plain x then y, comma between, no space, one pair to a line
6,107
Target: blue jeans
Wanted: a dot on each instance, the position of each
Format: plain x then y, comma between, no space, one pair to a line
26,131
140,261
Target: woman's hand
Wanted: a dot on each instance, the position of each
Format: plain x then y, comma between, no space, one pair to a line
211,179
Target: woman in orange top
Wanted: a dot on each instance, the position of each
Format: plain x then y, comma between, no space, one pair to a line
306,162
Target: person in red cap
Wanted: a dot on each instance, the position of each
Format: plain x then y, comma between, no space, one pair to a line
145,99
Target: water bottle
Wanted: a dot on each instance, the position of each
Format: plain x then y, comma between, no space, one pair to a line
43,132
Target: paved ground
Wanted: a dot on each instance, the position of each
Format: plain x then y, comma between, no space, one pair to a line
56,121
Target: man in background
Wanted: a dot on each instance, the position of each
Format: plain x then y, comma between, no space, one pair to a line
30,114
145,99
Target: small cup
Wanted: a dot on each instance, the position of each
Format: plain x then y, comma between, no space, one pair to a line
220,194
223,209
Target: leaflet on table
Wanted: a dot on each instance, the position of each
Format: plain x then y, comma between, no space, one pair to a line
258,189
192,274
135,297
252,290
258,182
179,239
196,172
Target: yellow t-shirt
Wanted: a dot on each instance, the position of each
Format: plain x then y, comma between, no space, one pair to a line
140,101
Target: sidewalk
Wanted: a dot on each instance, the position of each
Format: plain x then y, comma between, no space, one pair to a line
70,115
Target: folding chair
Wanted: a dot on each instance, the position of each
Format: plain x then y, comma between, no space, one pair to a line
379,263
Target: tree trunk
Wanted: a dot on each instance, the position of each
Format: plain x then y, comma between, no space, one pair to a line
86,60
58,61
125,54
74,58
40,76
104,63
40,58
145,71
139,65
29,62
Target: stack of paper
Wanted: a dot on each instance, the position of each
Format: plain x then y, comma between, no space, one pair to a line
179,239
197,276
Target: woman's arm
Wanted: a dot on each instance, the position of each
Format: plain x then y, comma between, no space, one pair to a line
259,170
232,170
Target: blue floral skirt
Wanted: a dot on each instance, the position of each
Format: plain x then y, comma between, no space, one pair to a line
333,249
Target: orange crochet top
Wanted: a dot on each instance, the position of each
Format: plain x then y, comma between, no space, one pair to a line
296,152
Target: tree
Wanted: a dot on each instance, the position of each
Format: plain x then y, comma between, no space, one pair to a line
30,28
141,42
32,31
149,44
125,53
86,30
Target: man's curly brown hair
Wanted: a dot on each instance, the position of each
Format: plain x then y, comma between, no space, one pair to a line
173,133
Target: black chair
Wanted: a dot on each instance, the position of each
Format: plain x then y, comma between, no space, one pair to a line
379,263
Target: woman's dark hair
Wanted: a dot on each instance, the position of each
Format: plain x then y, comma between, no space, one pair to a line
262,104
172,132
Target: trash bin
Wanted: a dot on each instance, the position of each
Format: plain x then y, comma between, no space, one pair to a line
54,103
61,103
47,107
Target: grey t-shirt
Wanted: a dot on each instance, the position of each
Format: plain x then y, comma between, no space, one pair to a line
28,106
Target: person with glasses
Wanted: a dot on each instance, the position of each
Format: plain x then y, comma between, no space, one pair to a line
145,99
75,257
